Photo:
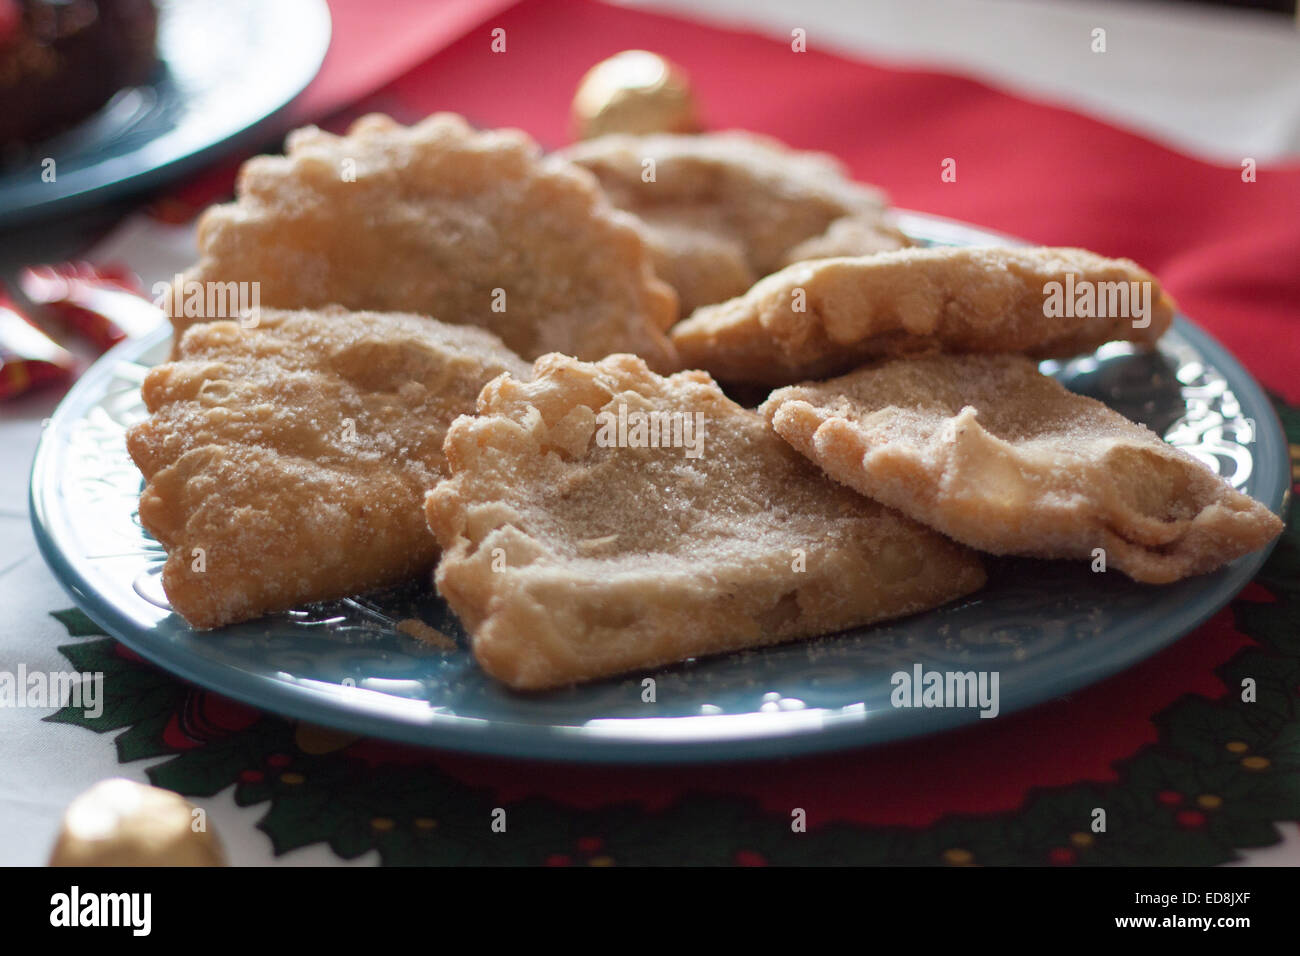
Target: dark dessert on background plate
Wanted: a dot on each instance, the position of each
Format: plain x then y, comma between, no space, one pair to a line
61,60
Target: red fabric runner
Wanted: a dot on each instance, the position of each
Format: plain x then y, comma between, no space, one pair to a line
371,43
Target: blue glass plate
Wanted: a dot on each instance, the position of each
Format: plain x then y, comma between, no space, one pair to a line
226,68
1046,628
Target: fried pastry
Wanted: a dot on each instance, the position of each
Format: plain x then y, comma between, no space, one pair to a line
600,518
998,456
820,318
722,210
472,228
288,462
850,236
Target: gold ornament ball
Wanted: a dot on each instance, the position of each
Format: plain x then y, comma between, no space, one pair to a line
634,92
123,823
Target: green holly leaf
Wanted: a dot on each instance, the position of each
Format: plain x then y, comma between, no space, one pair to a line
77,623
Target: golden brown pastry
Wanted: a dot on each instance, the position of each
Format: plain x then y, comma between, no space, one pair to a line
472,228
824,317
998,456
600,519
288,462
721,210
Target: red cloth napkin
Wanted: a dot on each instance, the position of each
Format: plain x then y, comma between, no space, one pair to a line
1228,250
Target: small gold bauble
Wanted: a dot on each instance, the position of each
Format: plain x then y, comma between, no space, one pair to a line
634,92
123,823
